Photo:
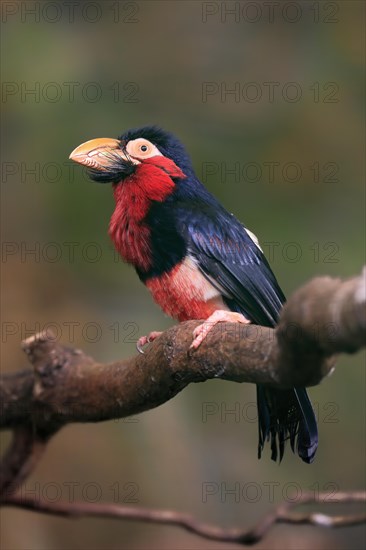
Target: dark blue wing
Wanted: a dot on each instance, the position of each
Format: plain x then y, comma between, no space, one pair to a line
231,260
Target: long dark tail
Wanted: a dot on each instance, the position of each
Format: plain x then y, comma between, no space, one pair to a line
286,415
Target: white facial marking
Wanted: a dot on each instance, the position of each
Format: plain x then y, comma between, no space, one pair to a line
140,149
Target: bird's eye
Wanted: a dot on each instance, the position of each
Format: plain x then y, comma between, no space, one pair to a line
141,149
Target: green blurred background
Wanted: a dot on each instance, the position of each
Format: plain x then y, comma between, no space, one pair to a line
96,71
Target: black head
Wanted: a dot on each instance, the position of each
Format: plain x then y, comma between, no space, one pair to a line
167,143
113,160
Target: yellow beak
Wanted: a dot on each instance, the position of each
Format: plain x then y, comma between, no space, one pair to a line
98,154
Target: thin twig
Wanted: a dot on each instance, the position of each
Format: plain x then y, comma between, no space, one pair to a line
281,514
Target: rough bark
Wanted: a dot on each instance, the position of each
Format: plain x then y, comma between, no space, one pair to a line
325,317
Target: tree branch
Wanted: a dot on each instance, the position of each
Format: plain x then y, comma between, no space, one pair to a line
281,514
20,458
325,317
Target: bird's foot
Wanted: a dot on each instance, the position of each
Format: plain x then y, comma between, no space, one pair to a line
143,340
219,316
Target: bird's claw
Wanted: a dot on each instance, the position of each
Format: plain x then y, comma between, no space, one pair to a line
219,316
143,340
139,345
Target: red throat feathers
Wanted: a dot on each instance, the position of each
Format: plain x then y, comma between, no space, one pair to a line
152,181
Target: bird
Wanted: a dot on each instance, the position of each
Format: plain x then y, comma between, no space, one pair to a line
197,259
